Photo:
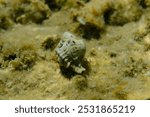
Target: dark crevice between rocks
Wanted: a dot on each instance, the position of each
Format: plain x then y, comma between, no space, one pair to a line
85,1
113,55
10,57
142,3
18,13
53,5
89,31
1,47
5,23
107,15
50,42
69,72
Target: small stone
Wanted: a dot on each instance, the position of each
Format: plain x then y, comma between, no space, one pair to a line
71,51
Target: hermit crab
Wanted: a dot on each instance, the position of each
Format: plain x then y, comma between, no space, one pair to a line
71,51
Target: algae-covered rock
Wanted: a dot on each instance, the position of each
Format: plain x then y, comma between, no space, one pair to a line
26,11
123,12
98,13
22,11
18,59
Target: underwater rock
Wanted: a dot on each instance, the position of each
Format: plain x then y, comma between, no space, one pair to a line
71,51
23,12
